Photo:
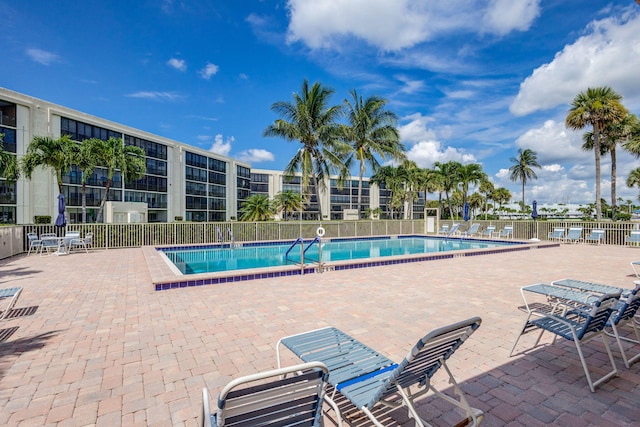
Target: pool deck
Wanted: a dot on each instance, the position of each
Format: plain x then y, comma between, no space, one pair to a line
92,343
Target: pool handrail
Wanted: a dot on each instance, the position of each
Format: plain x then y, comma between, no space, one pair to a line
293,245
316,239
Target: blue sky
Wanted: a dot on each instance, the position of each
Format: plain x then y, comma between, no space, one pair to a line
470,80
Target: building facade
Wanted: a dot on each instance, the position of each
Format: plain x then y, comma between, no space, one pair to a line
181,181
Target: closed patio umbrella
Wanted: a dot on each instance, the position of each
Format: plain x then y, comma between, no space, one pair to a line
61,221
534,211
465,212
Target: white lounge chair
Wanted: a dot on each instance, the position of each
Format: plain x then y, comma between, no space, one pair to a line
574,235
488,232
444,229
596,236
13,294
557,234
472,230
272,399
368,379
633,238
506,232
34,243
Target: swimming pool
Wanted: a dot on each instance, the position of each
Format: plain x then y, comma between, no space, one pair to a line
263,255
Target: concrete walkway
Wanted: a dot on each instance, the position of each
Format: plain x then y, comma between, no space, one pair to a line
92,344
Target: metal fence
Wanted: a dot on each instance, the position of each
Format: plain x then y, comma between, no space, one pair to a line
108,236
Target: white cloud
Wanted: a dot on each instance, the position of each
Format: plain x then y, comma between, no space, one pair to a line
256,155
608,55
160,96
178,64
398,24
42,56
209,70
222,146
417,129
553,142
504,16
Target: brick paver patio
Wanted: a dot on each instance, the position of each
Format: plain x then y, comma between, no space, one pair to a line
92,344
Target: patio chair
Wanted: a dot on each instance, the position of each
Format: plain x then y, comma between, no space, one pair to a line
506,232
81,243
557,234
626,309
14,294
596,236
50,243
488,232
366,378
635,265
272,399
453,230
633,238
472,230
574,235
579,325
34,243
444,229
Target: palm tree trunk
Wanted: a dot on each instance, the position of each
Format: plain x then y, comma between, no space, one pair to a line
596,148
103,201
523,181
360,187
614,207
446,193
314,180
84,202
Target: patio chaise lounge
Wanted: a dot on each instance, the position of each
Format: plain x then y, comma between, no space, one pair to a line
14,294
507,231
633,238
557,234
472,230
596,236
272,399
626,309
488,232
574,235
444,229
579,324
368,379
636,268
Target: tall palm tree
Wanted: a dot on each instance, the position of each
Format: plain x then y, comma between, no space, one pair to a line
470,174
256,207
633,180
476,201
522,168
449,178
50,153
597,107
85,157
370,131
312,122
486,188
113,155
613,133
8,164
288,201
392,178
425,181
501,196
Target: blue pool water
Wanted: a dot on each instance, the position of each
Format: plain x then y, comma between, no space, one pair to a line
249,256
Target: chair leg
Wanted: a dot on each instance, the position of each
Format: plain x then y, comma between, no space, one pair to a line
614,372
619,339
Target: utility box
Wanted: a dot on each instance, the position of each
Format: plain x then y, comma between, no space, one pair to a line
125,212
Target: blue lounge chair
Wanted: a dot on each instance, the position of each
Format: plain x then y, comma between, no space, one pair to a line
367,378
633,238
596,236
488,232
557,234
272,399
444,229
626,309
506,232
578,325
636,268
574,235
473,230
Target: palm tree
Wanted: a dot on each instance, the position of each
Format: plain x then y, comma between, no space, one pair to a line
633,180
501,196
470,174
449,179
288,201
392,179
56,154
476,200
256,207
487,188
426,181
113,155
521,170
371,131
312,122
85,157
8,163
597,107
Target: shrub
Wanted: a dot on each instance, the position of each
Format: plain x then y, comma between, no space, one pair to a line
42,219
